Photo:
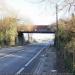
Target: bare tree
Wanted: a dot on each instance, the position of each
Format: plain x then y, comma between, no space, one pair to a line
62,4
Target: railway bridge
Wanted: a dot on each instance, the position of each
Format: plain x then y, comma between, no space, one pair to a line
33,29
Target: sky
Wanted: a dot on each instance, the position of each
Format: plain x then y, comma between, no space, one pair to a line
35,12
32,11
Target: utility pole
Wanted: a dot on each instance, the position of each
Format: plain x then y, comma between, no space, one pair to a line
73,48
57,26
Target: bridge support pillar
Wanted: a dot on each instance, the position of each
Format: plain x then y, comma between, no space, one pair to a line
20,39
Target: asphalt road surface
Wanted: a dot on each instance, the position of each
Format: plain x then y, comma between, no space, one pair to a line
13,60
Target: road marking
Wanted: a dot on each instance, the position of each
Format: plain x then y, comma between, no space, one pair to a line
38,69
20,71
10,53
33,57
29,61
53,71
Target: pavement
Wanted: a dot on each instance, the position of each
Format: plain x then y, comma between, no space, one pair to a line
13,60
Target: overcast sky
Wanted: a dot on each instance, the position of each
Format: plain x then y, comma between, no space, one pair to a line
37,13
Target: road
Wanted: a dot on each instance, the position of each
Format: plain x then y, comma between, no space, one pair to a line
13,60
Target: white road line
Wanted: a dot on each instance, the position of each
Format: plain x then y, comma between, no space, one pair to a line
38,69
33,57
53,70
7,54
20,71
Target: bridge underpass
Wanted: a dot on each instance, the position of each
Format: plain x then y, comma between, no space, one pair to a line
45,29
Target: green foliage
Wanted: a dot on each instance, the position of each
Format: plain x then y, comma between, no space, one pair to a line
69,62
1,37
66,39
8,30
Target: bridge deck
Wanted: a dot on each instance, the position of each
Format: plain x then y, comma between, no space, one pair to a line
36,29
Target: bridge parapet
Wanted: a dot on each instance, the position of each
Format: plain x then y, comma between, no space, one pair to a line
36,28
